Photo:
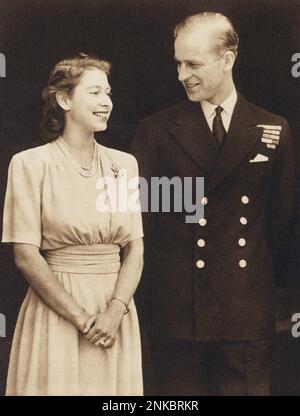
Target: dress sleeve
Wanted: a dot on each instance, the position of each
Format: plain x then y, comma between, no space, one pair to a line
22,207
136,225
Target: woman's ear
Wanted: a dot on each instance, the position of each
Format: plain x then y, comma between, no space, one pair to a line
63,100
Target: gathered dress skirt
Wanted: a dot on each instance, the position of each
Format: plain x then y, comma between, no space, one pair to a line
50,357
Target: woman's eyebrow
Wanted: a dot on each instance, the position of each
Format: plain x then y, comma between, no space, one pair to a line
99,87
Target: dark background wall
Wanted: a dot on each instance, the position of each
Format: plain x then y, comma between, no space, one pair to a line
136,36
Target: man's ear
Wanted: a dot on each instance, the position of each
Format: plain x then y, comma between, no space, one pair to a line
63,100
229,58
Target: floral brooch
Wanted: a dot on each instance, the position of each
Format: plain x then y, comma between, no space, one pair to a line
116,171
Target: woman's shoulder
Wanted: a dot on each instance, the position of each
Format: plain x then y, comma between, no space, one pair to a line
39,152
33,157
119,157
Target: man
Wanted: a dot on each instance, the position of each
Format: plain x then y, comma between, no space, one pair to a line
209,286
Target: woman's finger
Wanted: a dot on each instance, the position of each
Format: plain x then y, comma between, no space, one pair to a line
91,333
88,325
95,338
109,342
99,343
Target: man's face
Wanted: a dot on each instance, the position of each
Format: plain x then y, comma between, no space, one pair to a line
200,68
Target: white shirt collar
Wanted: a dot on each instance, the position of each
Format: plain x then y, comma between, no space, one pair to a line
228,105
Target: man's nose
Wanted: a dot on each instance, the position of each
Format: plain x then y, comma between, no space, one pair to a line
183,73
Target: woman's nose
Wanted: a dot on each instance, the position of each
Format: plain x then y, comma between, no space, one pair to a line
105,101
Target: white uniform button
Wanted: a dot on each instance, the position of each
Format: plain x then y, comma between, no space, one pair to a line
204,201
243,220
245,199
201,242
202,222
242,263
200,264
242,242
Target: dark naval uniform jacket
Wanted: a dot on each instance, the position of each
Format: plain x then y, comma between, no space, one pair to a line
214,279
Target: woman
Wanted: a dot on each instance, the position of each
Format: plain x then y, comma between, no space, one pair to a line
77,331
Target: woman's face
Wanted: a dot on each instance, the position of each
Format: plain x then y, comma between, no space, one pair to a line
89,106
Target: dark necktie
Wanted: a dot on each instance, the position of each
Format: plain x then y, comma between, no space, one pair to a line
218,128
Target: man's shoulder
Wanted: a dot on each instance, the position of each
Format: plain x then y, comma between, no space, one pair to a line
165,115
265,117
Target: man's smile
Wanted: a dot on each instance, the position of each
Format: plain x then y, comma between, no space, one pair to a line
191,85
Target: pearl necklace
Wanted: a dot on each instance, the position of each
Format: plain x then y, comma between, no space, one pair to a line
83,170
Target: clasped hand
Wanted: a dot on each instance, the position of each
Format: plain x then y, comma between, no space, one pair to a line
101,329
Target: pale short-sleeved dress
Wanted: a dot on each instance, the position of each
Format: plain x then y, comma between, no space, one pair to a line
80,228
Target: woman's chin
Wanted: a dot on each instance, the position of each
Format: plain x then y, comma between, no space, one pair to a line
101,127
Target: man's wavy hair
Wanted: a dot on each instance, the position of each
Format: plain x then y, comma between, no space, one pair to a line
227,38
64,77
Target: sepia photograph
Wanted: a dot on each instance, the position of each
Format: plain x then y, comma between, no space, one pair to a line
150,199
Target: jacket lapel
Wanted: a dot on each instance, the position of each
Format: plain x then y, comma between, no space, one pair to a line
240,139
192,132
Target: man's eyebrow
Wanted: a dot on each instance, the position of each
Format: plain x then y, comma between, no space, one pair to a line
194,62
190,61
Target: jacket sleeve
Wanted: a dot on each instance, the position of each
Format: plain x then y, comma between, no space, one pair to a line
145,149
282,192
284,225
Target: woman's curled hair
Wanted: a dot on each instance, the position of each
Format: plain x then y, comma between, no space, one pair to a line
64,78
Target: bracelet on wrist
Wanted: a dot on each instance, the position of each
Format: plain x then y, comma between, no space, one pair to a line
122,301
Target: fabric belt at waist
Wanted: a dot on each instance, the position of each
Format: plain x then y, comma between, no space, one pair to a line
90,259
